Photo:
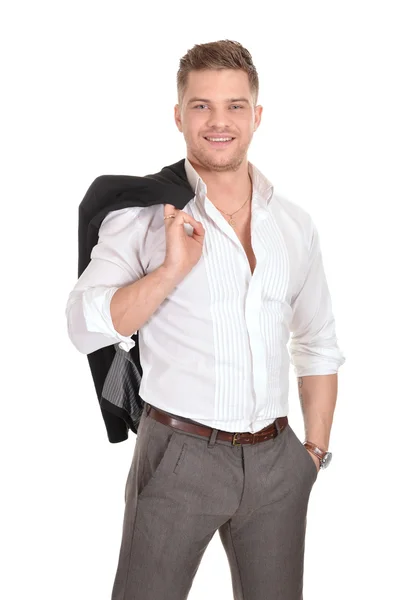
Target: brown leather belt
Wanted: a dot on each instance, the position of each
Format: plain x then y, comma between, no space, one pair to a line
267,433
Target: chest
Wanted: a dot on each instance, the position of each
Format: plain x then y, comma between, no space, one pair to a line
243,232
273,251
245,239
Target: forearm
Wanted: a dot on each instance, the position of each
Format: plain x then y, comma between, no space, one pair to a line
318,396
131,306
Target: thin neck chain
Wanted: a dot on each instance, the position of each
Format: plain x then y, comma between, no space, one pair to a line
231,220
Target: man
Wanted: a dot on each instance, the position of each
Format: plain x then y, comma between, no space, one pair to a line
215,291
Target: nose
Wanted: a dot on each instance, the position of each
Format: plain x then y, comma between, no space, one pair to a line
218,119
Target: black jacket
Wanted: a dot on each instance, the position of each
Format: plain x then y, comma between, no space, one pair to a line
117,373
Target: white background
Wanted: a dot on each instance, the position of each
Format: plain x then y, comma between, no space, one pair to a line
89,89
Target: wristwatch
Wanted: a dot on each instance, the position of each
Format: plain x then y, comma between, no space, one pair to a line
323,455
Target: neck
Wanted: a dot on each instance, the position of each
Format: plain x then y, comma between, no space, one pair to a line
227,190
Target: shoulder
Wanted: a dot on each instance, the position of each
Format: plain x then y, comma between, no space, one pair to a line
134,221
281,204
122,220
293,217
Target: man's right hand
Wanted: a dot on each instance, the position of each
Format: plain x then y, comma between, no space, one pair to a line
183,251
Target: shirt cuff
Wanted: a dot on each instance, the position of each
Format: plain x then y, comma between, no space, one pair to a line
96,309
326,363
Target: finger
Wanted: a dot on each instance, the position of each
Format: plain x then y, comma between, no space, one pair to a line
183,217
169,209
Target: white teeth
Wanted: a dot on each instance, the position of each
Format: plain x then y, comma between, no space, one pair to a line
219,139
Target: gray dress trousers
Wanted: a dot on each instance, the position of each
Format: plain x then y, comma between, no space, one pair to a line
182,488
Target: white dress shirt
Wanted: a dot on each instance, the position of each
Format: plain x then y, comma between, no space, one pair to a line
216,348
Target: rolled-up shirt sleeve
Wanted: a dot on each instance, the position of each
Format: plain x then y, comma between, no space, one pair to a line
114,263
313,346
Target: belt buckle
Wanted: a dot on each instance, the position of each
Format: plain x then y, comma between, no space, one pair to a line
235,443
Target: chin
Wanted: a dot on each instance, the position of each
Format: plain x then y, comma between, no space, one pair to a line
217,160
225,166
225,163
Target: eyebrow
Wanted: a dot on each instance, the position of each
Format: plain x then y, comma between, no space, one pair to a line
210,101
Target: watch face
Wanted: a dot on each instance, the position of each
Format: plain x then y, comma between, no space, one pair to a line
326,460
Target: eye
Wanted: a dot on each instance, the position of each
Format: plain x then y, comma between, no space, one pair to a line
198,105
238,105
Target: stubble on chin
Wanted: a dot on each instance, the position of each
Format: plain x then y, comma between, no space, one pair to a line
226,164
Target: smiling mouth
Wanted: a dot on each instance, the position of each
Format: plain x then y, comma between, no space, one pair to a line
219,142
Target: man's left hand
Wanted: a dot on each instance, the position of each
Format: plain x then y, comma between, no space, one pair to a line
315,459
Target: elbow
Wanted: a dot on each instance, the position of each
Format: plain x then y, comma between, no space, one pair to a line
88,342
79,344
79,340
83,340
88,337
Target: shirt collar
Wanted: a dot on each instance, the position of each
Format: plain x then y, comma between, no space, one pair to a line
262,191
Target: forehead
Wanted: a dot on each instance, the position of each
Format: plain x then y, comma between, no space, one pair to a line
218,83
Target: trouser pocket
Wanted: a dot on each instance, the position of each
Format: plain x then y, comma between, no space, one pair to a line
161,454
304,454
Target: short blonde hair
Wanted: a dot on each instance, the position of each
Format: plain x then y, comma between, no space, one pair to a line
224,54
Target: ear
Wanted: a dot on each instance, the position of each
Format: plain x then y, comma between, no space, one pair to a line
258,116
178,117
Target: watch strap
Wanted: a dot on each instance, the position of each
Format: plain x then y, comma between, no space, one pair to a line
316,450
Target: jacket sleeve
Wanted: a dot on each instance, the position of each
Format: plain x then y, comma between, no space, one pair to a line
114,263
313,346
